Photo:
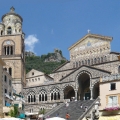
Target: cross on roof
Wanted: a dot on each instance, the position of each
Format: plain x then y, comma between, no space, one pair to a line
88,31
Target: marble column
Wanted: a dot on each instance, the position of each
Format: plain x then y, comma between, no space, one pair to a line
91,92
61,95
37,99
48,97
76,94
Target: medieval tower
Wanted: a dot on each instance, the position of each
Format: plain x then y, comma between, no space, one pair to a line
12,48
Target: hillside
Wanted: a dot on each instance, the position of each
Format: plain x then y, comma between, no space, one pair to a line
40,63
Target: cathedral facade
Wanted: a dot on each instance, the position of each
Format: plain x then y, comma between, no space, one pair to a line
91,59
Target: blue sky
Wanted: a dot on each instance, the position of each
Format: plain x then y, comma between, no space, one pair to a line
58,24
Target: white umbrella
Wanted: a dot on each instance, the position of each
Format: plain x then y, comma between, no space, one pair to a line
55,118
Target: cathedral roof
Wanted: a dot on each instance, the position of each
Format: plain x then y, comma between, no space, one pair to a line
60,66
12,12
91,36
118,53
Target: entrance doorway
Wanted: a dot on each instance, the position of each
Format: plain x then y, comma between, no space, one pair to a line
84,87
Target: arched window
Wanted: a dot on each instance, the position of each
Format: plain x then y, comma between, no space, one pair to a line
28,99
9,30
73,65
34,98
55,94
105,59
19,30
101,59
91,61
85,62
95,61
5,69
76,64
10,71
79,63
8,47
42,95
88,62
31,97
119,69
98,60
82,62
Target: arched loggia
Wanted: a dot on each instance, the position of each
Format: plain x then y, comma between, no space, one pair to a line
69,92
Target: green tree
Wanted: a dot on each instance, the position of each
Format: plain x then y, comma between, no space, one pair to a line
42,111
14,112
11,113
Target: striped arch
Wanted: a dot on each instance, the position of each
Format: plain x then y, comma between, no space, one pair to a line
40,89
96,89
53,87
42,95
30,91
55,93
31,96
76,79
67,85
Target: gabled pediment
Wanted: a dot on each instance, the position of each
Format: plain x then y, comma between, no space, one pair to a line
93,71
34,72
90,40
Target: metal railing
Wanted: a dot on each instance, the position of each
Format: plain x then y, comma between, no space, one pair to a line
88,110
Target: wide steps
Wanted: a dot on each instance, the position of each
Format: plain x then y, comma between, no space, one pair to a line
73,109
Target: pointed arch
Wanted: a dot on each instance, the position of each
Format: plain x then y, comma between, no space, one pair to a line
9,30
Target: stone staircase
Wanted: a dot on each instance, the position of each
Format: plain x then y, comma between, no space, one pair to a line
74,109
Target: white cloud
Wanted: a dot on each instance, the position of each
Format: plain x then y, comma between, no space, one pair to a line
30,42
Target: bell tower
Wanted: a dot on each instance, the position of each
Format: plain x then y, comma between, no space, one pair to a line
12,48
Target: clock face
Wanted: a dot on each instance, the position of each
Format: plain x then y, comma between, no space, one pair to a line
7,42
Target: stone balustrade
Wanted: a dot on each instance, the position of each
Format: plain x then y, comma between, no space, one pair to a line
111,77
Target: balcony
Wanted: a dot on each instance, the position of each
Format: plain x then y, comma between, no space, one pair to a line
112,106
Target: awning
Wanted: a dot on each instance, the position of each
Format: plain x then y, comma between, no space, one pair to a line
28,114
55,118
115,117
22,116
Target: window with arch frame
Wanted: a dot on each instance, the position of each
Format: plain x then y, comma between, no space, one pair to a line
9,30
95,60
88,62
76,64
8,47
